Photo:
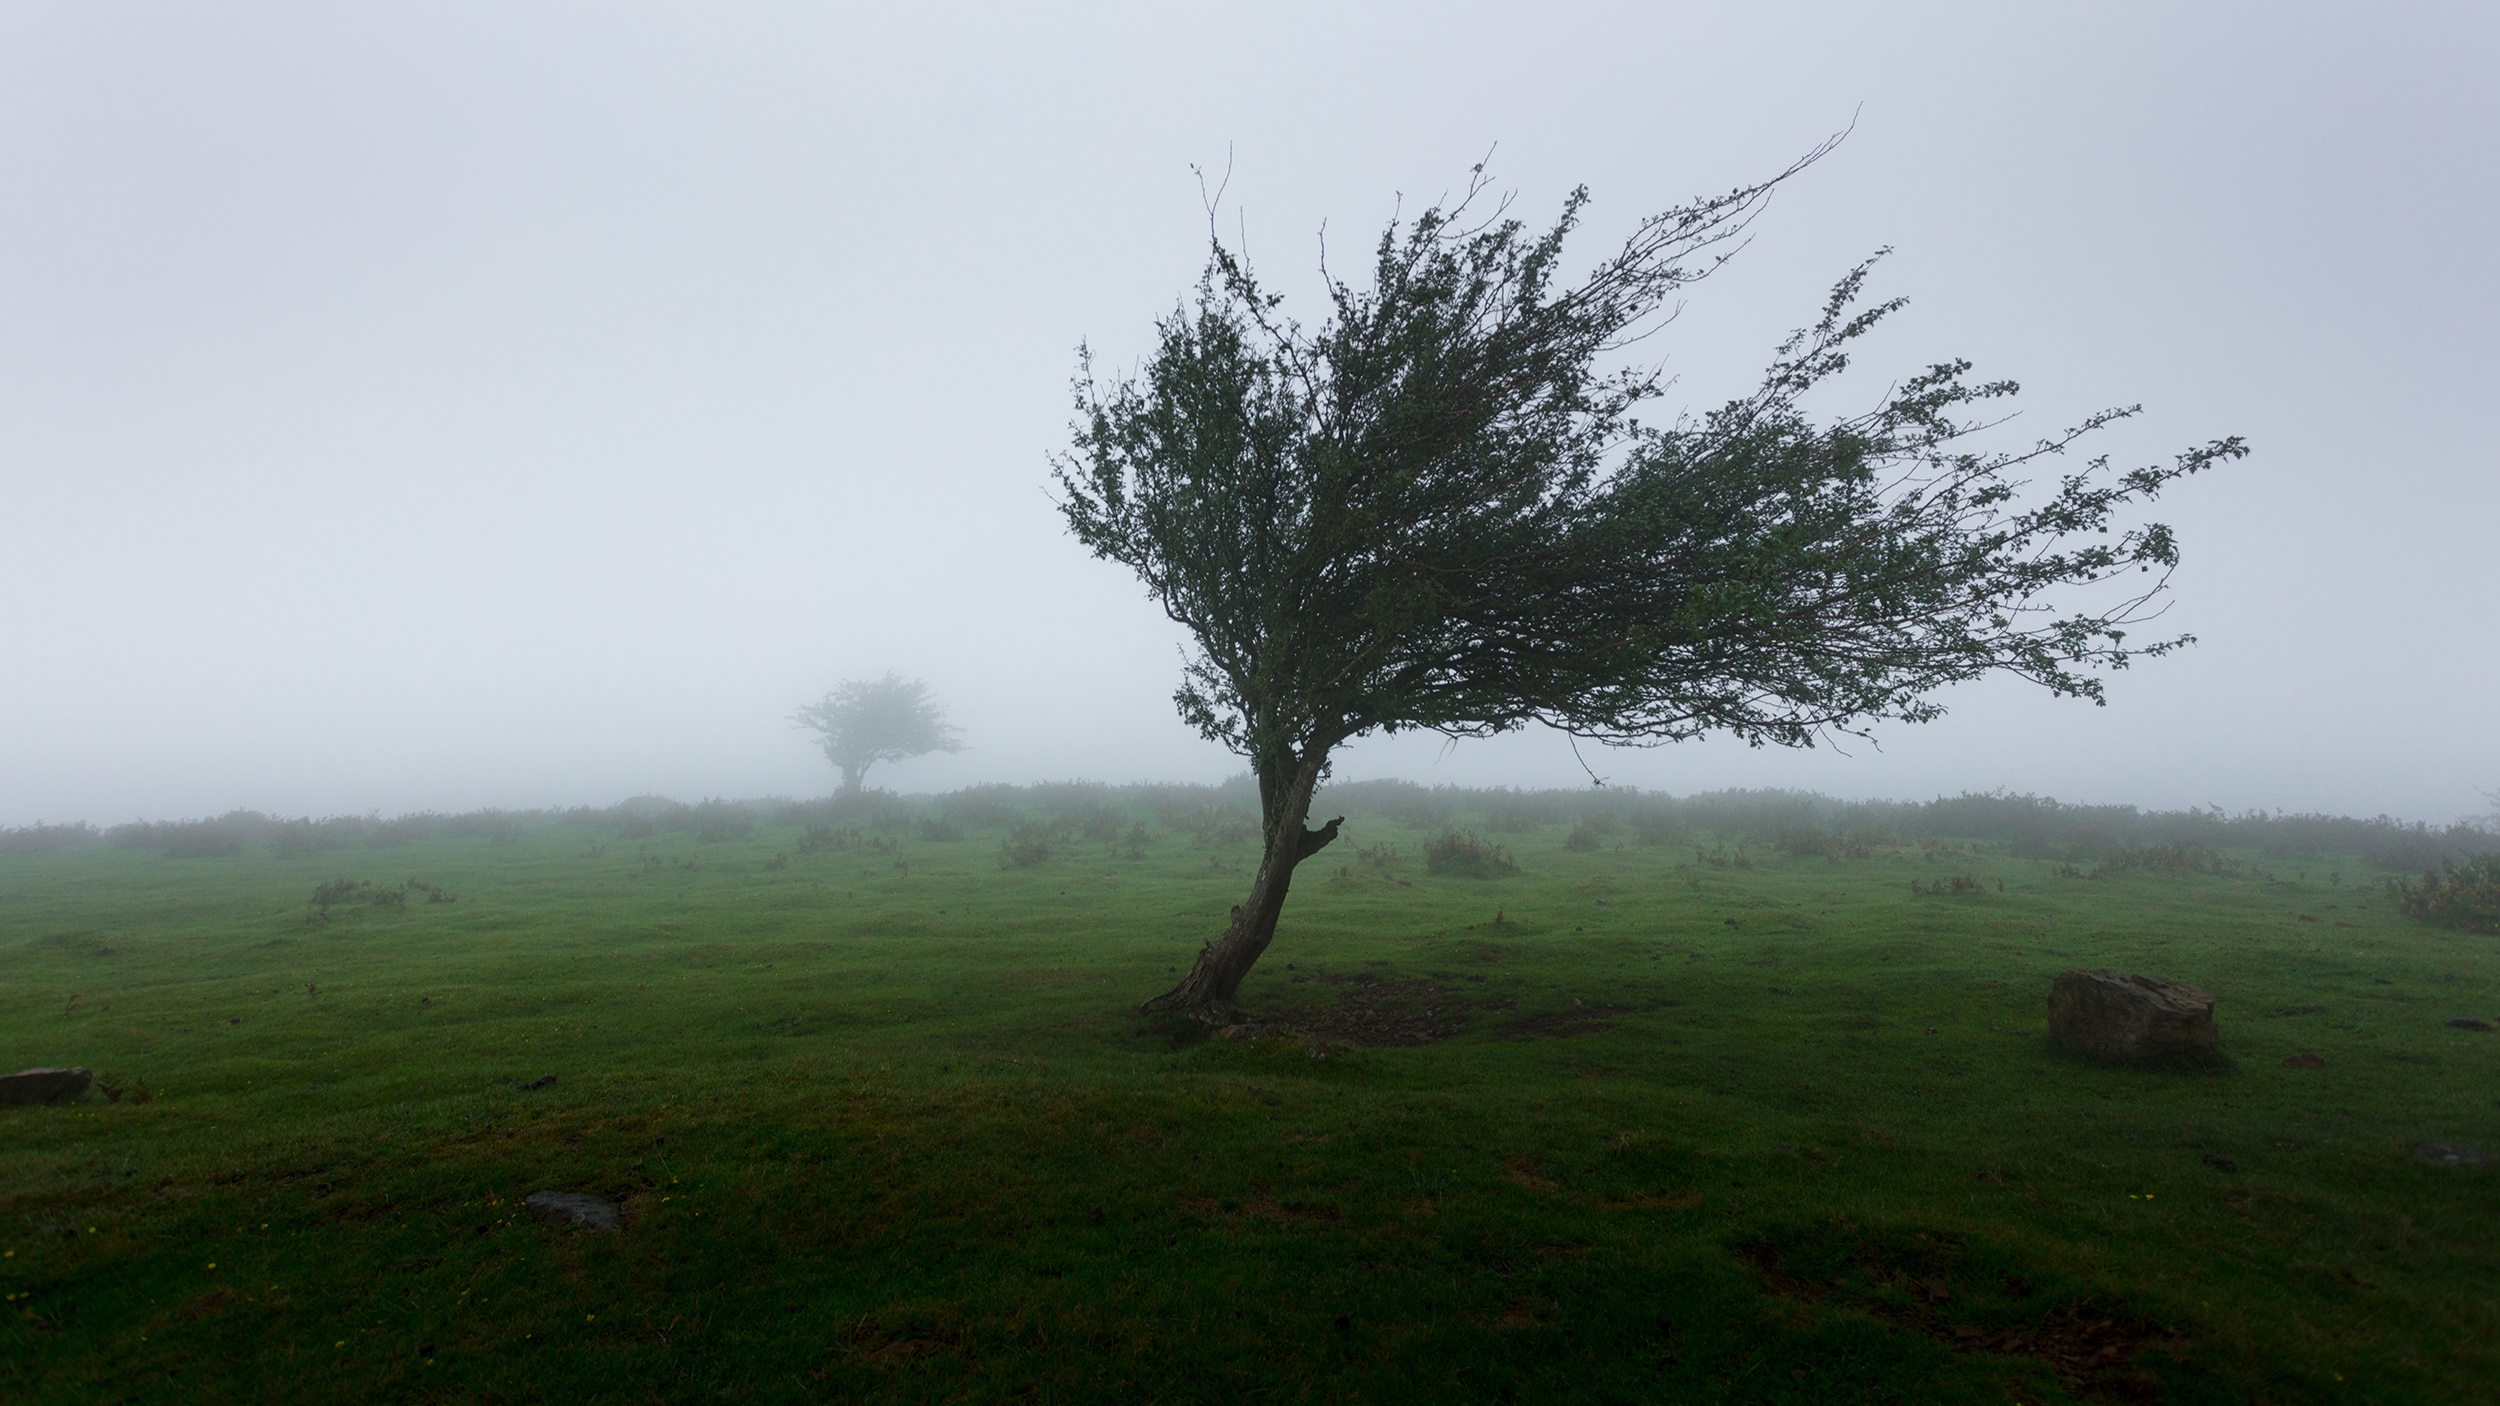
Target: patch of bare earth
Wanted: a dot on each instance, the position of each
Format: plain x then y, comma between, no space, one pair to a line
1375,1012
2093,1346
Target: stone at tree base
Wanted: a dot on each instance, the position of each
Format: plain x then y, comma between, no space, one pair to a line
573,1208
44,1085
2130,1017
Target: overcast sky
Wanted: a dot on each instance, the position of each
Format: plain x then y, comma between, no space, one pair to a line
446,405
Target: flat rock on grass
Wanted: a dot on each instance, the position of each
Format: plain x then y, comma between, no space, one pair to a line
2131,1018
2467,1022
44,1085
573,1208
2451,1154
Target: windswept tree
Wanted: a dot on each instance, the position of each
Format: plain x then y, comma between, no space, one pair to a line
1436,509
867,721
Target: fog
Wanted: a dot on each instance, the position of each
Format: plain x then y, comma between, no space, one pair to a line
459,405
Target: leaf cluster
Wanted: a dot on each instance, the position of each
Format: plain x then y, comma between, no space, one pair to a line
1438,509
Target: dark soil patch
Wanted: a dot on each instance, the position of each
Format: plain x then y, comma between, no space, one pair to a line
1968,1300
1379,1011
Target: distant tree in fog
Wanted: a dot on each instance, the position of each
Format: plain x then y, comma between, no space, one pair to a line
867,721
1436,510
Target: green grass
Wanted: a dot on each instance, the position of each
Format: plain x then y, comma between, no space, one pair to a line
1783,1133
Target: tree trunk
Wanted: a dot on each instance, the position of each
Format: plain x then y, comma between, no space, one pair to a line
853,773
1207,992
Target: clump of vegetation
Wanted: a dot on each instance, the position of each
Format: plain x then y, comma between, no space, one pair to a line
339,893
828,839
114,1090
1959,883
1029,843
2455,895
2166,858
1588,836
40,838
1463,854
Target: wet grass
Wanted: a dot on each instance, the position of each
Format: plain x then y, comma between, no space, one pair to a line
886,1128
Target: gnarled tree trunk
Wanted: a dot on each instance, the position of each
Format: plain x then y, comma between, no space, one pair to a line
1207,992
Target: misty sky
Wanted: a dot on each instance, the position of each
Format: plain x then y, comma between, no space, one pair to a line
446,405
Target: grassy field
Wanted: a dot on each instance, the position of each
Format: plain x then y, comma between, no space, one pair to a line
1687,1121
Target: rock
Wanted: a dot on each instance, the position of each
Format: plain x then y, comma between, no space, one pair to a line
540,1082
2130,1017
2451,1154
44,1085
573,1208
2220,1163
2467,1022
2304,1060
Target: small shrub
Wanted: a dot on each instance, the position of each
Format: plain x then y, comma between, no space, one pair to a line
1959,883
1028,844
826,839
114,1090
940,827
2454,895
1463,854
341,892
1584,838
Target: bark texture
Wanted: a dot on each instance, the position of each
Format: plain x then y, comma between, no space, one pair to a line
1208,992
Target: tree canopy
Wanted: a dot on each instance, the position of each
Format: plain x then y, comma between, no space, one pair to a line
1438,509
867,721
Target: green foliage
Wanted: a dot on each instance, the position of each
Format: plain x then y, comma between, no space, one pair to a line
343,892
1029,842
2456,895
1462,854
1436,508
